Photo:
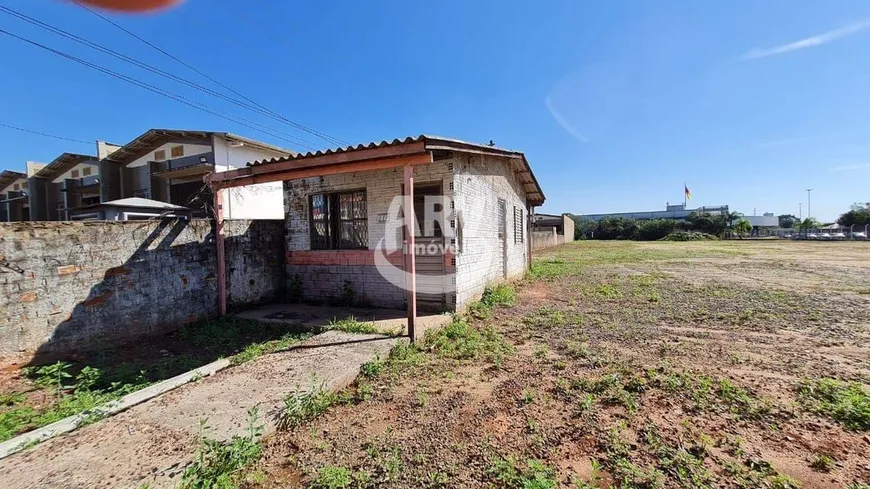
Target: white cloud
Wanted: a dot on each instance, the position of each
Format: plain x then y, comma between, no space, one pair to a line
563,122
809,42
855,167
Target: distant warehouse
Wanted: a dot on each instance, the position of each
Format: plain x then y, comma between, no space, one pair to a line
677,212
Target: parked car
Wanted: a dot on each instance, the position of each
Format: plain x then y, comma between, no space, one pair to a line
824,236
859,236
838,236
812,236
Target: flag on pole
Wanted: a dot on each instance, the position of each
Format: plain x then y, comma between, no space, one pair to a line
688,192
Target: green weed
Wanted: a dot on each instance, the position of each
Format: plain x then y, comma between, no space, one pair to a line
303,406
351,325
823,463
223,464
536,475
847,403
337,477
461,340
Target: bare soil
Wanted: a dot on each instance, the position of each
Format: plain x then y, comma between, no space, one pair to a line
636,364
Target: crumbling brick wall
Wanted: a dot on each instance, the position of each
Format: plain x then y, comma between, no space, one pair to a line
67,285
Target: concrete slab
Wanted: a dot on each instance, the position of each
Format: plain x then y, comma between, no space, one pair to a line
317,318
153,441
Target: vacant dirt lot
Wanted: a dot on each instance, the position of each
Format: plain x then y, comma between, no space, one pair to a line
637,365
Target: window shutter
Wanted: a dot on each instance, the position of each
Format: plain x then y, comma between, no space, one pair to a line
518,225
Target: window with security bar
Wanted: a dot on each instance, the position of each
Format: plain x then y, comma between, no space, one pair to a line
339,221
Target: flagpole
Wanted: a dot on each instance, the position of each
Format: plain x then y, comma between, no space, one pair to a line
685,196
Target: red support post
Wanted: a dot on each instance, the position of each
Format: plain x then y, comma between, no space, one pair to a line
219,243
410,258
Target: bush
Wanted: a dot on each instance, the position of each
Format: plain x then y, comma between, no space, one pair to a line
689,236
655,229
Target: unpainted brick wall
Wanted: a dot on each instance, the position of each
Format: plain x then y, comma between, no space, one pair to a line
68,285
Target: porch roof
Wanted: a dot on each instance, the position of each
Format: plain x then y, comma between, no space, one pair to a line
375,155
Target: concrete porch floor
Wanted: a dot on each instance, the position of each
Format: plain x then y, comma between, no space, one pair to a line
317,318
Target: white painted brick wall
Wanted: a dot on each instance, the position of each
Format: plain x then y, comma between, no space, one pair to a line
381,187
479,181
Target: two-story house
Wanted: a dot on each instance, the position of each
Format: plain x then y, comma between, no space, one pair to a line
168,166
14,204
69,182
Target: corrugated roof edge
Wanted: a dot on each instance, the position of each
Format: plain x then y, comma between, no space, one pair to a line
429,140
63,163
128,148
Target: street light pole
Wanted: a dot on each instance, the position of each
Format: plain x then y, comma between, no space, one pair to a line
809,209
800,211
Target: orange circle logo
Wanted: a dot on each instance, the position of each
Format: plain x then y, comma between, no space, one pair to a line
130,5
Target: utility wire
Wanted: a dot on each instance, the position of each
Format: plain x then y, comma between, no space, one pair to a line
166,74
322,135
294,139
178,98
8,126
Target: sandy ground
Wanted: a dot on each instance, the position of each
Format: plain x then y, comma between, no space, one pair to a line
638,364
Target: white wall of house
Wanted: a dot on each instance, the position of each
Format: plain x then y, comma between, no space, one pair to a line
19,185
262,201
79,171
381,187
189,150
479,182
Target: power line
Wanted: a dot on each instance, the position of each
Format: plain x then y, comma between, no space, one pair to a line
322,135
178,98
294,139
8,126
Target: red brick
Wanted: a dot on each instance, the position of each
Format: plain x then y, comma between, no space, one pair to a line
98,300
68,269
112,272
27,297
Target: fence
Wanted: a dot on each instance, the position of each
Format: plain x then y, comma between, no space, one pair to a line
67,284
547,239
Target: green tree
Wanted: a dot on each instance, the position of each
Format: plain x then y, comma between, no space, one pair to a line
787,221
808,223
584,228
705,222
742,227
617,228
858,215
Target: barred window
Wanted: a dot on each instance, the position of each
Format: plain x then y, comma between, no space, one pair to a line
339,221
518,224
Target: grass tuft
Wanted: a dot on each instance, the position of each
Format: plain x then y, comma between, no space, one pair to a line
350,324
224,464
847,403
303,406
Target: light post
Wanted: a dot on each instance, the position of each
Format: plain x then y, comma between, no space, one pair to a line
800,211
809,209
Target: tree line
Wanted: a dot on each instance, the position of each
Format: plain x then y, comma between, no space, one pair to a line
655,229
703,222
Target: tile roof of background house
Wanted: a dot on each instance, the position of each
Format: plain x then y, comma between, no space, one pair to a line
62,164
146,142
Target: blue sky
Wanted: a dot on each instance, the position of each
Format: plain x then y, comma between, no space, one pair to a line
616,104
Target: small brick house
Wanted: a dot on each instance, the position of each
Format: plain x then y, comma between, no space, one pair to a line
471,219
